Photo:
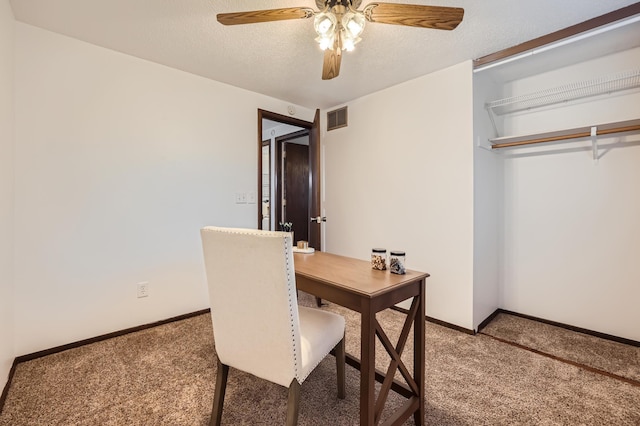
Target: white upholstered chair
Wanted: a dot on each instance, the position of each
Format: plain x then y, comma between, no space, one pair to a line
258,326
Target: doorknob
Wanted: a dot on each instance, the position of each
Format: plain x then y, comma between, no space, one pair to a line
318,219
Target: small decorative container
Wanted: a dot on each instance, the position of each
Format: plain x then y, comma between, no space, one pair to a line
396,262
379,259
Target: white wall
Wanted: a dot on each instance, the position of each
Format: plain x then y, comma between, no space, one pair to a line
119,163
571,227
400,176
7,353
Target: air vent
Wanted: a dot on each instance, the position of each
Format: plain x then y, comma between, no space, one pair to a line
337,118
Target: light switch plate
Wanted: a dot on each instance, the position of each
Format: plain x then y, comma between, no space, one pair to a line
241,198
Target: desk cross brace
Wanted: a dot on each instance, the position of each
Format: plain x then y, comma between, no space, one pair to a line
396,363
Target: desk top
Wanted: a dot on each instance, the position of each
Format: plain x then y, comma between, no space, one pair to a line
353,274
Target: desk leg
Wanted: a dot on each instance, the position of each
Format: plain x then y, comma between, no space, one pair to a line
367,366
418,354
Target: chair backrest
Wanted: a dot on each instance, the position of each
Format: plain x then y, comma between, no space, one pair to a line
254,310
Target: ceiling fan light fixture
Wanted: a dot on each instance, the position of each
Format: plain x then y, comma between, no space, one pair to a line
353,22
325,42
347,42
325,24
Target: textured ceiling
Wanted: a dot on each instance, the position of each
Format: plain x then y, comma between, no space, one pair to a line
281,59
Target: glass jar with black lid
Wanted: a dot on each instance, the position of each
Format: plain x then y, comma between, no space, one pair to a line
379,259
397,262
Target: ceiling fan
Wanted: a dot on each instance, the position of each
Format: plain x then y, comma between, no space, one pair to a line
339,24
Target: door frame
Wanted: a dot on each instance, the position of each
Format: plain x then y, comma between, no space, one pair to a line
314,167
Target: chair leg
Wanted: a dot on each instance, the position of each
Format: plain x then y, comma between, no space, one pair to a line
218,398
293,402
340,363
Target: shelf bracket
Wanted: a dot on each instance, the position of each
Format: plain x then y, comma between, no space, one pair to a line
486,147
493,121
594,143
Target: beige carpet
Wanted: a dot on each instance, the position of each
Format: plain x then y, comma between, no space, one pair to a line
165,376
603,355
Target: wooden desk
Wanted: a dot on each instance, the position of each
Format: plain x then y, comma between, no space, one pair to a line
353,284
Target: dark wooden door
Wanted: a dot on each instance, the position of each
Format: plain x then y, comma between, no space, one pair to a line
296,188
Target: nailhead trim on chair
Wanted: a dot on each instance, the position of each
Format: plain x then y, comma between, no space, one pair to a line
291,293
290,288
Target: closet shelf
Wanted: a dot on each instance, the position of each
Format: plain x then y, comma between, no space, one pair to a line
582,89
575,133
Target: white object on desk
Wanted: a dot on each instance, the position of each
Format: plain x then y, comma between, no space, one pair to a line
307,250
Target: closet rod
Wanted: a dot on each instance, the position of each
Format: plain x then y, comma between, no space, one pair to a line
577,135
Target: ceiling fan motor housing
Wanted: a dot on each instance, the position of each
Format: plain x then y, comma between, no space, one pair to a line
330,3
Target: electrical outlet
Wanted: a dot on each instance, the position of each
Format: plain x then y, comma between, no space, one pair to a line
143,289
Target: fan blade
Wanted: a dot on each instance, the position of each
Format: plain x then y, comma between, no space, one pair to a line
264,15
331,64
436,17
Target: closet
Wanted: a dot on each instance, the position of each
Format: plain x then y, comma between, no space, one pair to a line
557,169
